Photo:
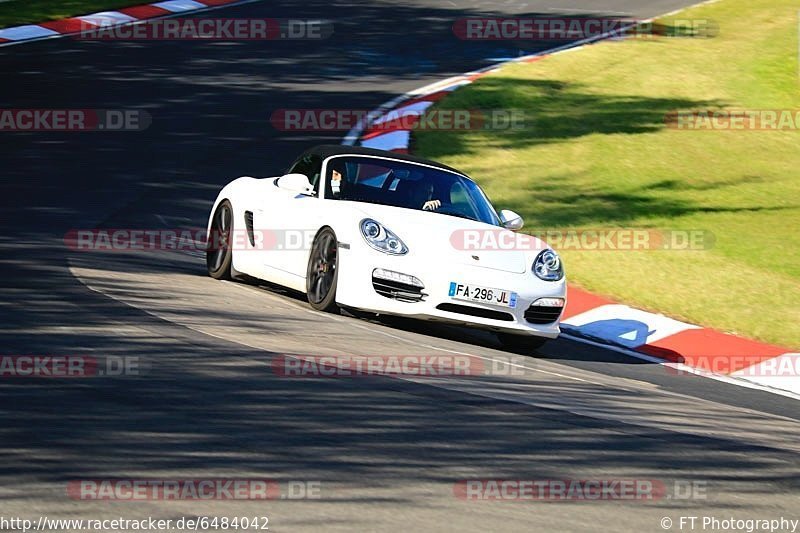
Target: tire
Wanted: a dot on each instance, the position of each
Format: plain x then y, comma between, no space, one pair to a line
322,273
521,343
219,254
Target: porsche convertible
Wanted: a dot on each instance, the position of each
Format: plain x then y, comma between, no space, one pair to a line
375,231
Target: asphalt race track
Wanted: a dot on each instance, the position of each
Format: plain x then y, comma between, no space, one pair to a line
386,452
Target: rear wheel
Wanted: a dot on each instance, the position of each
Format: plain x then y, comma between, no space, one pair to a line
322,273
219,253
521,343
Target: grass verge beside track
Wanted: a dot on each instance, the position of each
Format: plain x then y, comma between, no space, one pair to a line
19,12
595,152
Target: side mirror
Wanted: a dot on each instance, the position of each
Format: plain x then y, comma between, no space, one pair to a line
511,220
296,183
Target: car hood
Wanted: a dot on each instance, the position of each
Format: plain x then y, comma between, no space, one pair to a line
442,237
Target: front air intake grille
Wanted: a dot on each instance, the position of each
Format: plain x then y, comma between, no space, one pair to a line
538,314
397,290
476,311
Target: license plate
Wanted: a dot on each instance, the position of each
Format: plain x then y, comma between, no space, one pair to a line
486,295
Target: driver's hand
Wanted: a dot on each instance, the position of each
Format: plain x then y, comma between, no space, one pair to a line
431,205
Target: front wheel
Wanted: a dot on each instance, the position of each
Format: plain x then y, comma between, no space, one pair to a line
521,343
219,253
322,273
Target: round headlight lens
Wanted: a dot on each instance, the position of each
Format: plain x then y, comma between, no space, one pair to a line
382,239
548,266
371,229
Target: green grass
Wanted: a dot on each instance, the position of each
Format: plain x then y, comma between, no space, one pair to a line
19,12
595,153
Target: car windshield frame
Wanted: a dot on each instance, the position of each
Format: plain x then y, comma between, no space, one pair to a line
482,209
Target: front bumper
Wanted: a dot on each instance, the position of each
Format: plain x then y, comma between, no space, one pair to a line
355,289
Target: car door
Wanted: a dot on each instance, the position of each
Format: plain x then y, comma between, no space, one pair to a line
289,221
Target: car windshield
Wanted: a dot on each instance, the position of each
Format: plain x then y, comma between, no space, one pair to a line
409,185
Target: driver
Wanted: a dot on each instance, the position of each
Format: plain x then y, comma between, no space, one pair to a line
338,180
429,203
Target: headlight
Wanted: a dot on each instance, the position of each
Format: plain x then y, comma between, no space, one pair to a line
381,238
548,266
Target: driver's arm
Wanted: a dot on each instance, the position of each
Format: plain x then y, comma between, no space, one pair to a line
432,205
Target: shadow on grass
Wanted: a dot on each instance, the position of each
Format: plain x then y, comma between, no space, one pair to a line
557,206
698,29
553,111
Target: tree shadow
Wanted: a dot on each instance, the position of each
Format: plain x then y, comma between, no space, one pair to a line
553,111
557,206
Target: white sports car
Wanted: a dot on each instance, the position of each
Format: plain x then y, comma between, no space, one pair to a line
392,234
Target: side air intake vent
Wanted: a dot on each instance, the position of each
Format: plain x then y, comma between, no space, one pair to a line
248,223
